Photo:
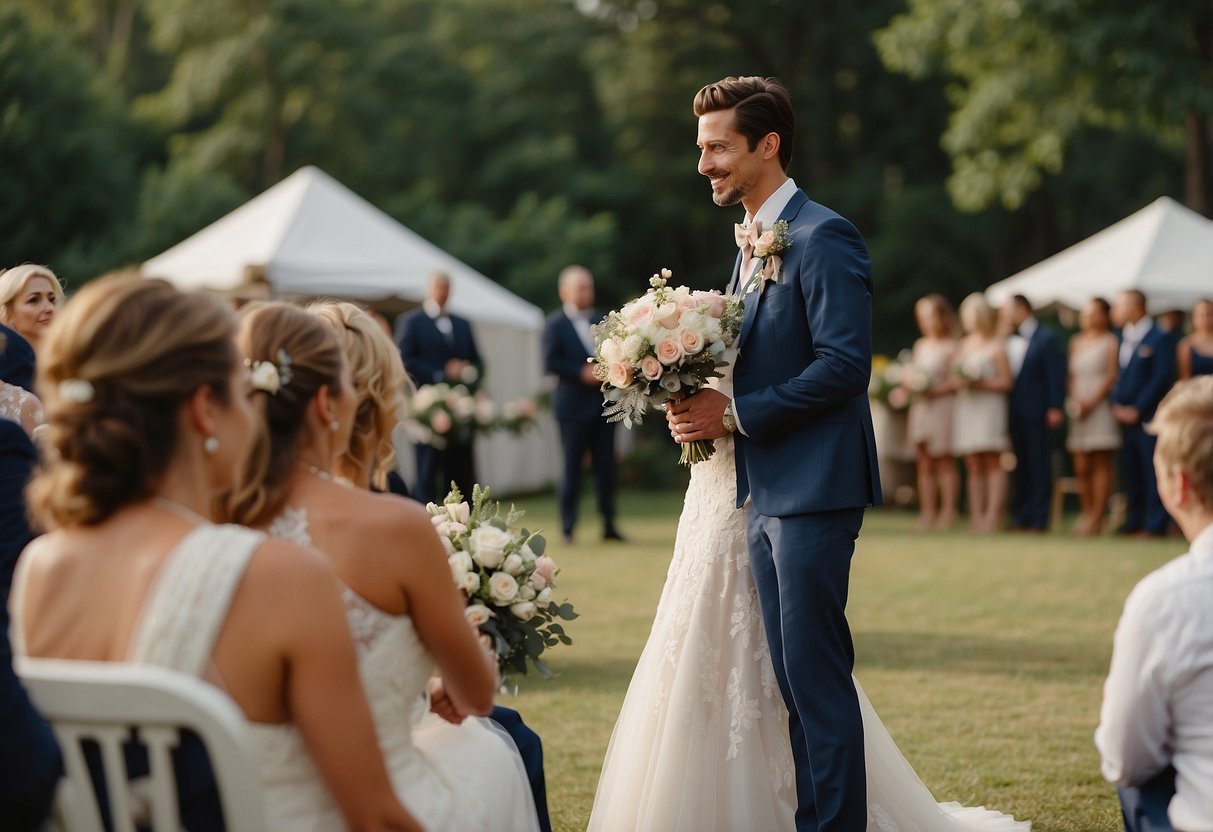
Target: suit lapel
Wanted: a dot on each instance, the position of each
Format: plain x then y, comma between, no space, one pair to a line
789,213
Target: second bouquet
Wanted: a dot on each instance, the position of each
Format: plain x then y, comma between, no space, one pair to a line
666,343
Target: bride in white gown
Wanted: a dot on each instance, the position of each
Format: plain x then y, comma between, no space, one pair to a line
702,739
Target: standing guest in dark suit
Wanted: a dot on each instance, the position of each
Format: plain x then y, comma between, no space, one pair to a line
29,757
1038,363
1147,368
577,403
439,347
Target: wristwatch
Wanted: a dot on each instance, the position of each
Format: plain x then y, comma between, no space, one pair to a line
728,419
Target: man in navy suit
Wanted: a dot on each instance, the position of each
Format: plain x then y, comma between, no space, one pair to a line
1036,404
806,451
29,756
577,403
439,347
16,359
1147,370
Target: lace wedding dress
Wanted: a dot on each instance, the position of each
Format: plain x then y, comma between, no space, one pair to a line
701,742
453,778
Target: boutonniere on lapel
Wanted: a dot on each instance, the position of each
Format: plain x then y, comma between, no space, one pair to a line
1144,351
767,248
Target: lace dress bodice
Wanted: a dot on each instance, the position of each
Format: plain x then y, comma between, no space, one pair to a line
451,788
21,406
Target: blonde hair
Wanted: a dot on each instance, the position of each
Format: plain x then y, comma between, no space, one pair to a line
379,385
139,350
1183,424
13,282
978,308
279,333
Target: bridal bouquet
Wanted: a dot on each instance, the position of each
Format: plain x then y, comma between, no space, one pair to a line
665,343
897,383
506,576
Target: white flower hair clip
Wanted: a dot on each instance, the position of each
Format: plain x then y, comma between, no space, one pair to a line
268,376
77,390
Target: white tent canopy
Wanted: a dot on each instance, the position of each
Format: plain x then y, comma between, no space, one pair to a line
309,236
1164,250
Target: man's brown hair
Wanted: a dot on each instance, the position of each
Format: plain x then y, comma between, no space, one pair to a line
760,106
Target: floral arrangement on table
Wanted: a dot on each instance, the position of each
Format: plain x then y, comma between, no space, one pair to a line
506,576
896,383
437,413
665,343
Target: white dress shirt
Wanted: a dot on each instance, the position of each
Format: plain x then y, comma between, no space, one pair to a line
1131,336
1017,344
767,215
440,318
1158,699
581,323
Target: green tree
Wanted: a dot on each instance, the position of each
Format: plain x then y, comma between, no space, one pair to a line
1028,75
67,147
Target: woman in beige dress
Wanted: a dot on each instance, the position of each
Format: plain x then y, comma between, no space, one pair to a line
982,378
148,420
930,417
1093,434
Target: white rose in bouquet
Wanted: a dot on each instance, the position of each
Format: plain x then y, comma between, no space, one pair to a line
503,588
477,614
610,351
461,562
544,597
527,592
459,512
526,553
470,583
512,565
487,545
524,610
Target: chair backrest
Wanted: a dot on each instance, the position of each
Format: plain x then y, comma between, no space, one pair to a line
110,703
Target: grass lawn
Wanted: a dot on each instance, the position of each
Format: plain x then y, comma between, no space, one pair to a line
985,657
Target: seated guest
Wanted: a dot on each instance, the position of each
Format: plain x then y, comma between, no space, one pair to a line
29,757
1195,353
29,295
1153,736
378,382
1147,369
17,403
401,602
148,420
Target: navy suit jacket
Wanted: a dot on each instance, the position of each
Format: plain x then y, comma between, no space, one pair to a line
1041,383
16,359
564,356
425,349
800,383
29,757
1148,375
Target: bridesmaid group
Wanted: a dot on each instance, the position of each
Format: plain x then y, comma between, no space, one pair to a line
959,409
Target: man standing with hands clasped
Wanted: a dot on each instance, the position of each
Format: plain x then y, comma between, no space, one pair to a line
805,448
577,403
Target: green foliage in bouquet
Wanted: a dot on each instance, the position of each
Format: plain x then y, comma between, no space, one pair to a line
507,578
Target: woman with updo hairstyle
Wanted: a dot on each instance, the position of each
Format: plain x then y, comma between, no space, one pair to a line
29,296
147,421
402,606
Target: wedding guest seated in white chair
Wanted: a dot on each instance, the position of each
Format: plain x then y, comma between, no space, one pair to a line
148,421
1154,735
401,603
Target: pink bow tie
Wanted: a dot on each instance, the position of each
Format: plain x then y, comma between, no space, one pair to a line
747,235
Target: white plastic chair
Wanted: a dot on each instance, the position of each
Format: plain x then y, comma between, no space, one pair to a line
110,702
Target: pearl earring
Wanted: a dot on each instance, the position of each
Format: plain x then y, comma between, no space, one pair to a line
211,445
334,426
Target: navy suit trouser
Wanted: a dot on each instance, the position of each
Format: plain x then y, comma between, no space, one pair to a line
1145,510
1144,808
437,469
531,749
597,436
1033,472
802,568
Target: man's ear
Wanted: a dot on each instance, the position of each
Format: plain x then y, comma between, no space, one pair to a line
770,145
